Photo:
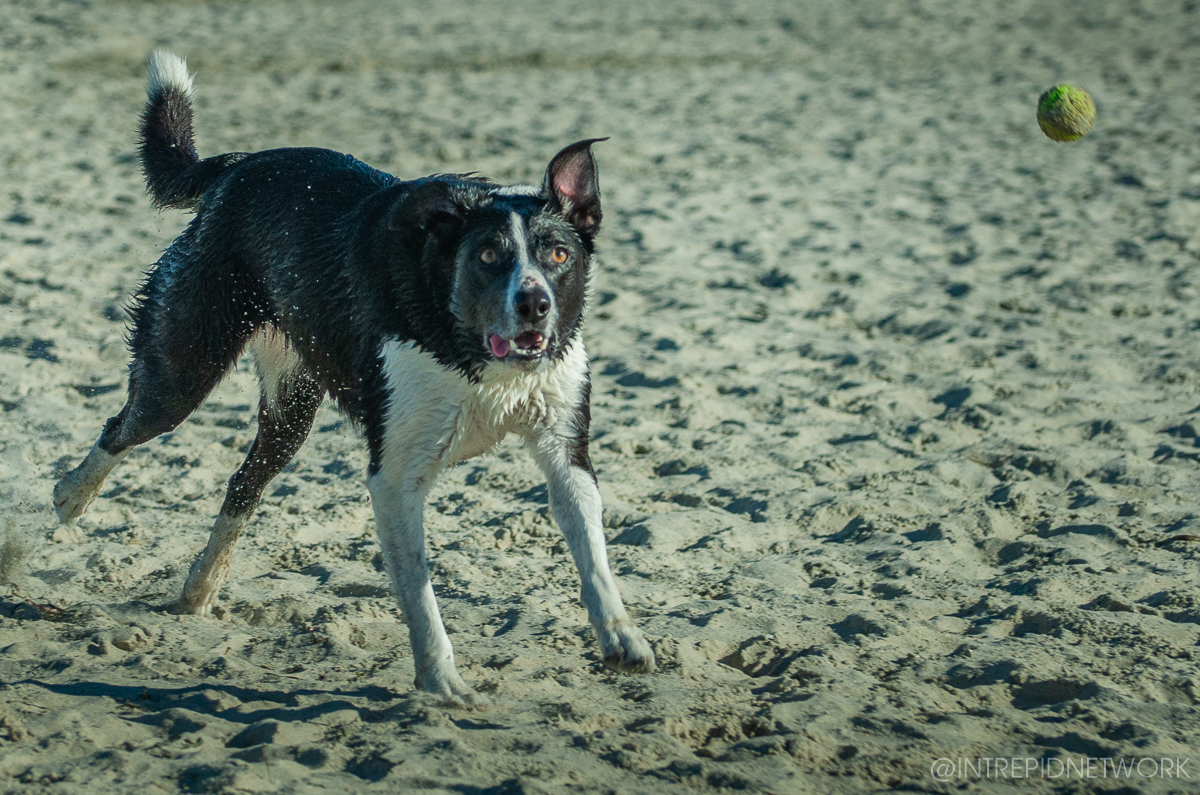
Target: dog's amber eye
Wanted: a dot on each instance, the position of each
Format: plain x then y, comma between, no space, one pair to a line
487,256
559,255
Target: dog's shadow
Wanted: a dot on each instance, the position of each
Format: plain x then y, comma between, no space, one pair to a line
152,702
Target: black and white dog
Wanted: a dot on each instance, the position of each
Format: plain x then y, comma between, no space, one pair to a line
439,313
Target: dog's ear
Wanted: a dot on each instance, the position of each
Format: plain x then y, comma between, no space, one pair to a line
573,185
424,206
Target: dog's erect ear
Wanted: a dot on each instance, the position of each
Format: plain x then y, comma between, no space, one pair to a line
425,205
573,185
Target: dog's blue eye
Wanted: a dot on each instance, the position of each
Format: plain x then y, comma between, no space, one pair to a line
487,256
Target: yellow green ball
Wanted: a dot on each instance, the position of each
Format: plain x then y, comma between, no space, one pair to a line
1066,113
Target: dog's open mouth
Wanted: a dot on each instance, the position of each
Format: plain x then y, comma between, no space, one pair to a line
526,345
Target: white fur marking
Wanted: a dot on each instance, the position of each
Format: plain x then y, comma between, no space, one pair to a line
76,490
211,569
274,359
436,415
435,418
575,503
518,230
168,70
518,190
524,277
398,518
521,273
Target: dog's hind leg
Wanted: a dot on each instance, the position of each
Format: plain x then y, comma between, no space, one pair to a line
289,403
181,348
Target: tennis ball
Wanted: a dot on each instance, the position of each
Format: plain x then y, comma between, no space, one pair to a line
1066,113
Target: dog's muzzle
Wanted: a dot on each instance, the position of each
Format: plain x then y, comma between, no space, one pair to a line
532,307
526,345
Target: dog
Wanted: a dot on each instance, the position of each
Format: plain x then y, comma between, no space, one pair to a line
439,314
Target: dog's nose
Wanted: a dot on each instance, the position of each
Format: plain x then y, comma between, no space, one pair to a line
533,305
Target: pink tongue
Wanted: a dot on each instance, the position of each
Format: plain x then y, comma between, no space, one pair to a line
499,345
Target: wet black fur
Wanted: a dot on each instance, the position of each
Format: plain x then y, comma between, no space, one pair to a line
336,255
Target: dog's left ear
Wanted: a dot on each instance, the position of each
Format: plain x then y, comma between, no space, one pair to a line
573,185
425,205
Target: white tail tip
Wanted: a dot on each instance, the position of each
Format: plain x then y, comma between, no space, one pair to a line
168,70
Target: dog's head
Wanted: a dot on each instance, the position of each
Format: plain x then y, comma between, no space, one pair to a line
518,256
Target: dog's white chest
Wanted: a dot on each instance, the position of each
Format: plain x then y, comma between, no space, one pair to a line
435,415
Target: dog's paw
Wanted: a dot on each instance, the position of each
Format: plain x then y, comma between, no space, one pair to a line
75,491
192,607
451,691
73,494
625,650
467,698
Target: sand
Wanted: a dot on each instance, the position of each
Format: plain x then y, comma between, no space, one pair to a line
895,407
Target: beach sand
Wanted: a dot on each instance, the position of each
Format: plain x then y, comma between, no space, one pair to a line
894,407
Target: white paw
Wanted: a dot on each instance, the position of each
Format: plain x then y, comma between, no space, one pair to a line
194,606
75,491
450,689
625,650
73,494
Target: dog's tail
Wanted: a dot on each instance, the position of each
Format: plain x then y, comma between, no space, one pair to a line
175,174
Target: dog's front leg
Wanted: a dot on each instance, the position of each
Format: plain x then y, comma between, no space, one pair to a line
399,502
575,503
